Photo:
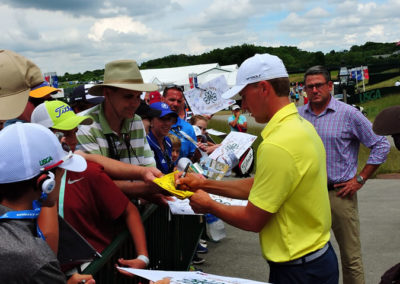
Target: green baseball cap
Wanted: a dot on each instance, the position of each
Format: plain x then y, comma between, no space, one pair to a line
58,115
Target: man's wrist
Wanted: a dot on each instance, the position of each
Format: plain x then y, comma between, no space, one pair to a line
360,179
142,172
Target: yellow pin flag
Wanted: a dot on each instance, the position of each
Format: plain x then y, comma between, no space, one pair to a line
167,182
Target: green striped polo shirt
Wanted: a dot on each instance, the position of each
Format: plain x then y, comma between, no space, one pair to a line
92,139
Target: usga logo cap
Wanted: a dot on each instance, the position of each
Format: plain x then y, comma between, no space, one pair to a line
27,148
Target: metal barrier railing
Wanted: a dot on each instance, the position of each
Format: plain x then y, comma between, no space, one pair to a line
171,242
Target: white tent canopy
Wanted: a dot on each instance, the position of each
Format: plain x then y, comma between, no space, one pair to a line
175,75
180,75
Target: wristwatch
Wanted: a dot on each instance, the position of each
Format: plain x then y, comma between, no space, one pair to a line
360,179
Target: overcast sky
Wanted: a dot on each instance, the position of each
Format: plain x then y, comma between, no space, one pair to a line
78,35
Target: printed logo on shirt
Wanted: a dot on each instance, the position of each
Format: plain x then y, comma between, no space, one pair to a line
74,181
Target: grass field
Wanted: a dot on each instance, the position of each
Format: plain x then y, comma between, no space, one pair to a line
374,107
386,83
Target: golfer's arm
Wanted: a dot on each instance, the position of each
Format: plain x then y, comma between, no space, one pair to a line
238,189
249,218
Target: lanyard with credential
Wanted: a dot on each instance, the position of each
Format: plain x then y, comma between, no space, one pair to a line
61,195
183,134
28,214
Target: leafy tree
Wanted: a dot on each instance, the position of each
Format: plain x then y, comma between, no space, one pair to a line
295,60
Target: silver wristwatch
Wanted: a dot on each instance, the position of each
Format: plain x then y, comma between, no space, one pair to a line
360,179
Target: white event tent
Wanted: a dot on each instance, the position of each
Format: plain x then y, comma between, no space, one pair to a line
180,75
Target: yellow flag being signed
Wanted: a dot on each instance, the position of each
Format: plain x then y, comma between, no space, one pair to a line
167,182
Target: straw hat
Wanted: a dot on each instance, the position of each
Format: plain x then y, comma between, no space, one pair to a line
123,74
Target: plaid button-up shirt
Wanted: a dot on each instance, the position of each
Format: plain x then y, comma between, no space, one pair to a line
342,128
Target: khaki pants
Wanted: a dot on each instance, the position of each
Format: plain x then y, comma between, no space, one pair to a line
346,227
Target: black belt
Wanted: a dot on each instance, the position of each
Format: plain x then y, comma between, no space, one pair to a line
305,259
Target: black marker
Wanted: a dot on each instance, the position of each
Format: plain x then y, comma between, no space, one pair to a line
184,173
185,170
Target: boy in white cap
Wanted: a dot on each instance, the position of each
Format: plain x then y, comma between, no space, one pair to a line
288,199
90,201
31,165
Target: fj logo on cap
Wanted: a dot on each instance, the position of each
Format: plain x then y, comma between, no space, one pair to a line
62,109
46,161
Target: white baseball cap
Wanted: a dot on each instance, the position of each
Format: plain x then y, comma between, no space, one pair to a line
235,107
255,69
27,149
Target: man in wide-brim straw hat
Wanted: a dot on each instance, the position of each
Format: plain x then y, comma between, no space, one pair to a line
117,132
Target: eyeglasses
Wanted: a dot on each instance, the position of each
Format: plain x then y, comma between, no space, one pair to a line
66,158
173,86
318,86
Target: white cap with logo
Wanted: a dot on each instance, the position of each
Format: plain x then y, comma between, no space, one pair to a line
255,69
27,149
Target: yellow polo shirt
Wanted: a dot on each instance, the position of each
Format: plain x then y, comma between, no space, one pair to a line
291,182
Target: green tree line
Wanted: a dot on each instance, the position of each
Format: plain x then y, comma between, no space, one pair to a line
295,59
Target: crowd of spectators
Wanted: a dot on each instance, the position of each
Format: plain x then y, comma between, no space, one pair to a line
93,161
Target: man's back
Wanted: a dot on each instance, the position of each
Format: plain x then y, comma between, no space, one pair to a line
25,258
290,181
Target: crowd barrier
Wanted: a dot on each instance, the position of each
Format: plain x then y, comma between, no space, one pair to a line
171,242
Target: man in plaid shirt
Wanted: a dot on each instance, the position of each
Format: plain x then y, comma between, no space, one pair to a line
342,128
